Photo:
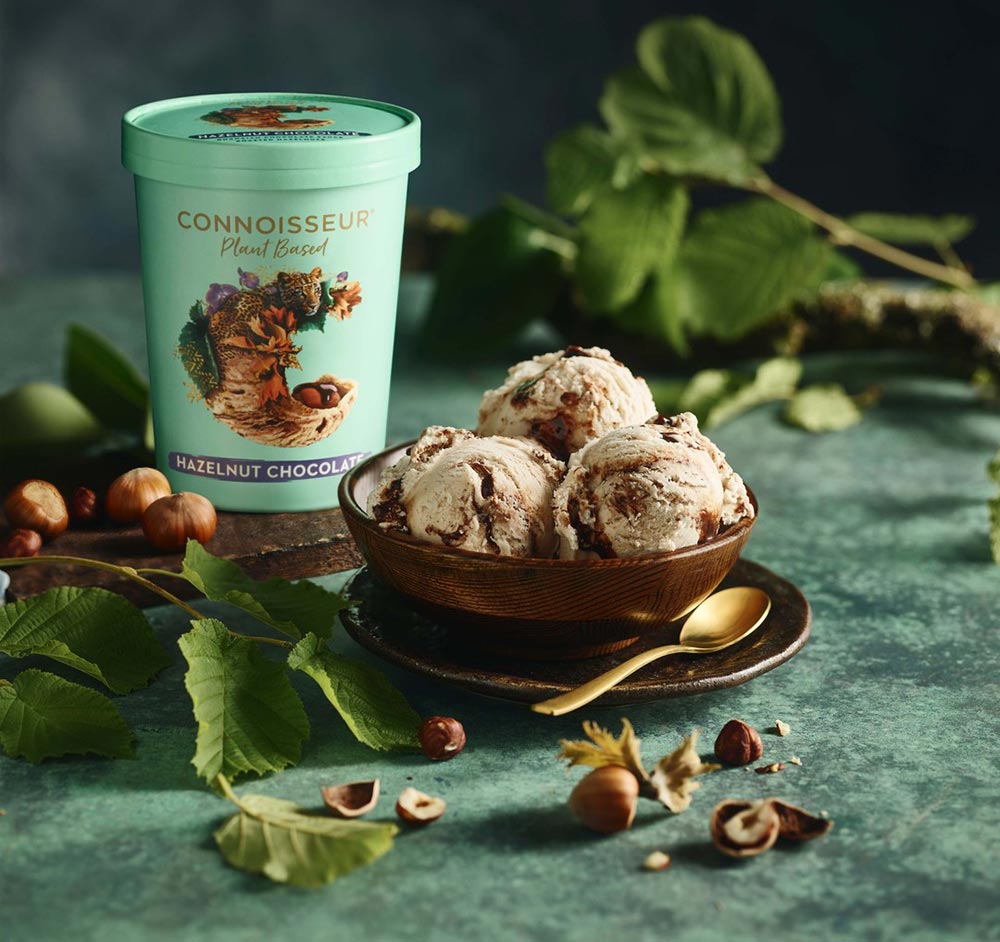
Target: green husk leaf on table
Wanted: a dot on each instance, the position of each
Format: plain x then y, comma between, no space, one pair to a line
626,234
104,381
702,103
374,710
905,229
501,274
280,840
292,608
823,408
43,716
717,396
249,717
582,161
747,262
43,418
92,630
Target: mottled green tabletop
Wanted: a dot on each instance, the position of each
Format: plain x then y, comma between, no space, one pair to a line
892,706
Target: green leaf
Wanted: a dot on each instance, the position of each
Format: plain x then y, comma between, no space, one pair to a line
823,408
703,103
196,356
582,161
842,268
91,630
903,229
716,396
293,608
374,710
497,277
249,717
994,508
747,262
660,311
104,381
993,469
43,716
278,839
625,235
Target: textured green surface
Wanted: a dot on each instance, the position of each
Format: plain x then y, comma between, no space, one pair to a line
892,706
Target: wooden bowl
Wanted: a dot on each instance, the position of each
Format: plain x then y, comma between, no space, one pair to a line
537,608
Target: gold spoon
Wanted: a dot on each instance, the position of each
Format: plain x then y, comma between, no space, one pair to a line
720,621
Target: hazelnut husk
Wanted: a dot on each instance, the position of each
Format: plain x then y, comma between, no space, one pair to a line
132,492
738,744
84,508
441,738
416,808
37,505
605,800
748,828
173,520
351,800
20,544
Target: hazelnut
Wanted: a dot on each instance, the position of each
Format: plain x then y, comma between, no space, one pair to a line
416,808
317,395
744,828
738,744
83,507
605,800
37,505
351,800
131,493
21,543
173,520
441,737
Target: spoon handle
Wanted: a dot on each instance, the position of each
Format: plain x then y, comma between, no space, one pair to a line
578,696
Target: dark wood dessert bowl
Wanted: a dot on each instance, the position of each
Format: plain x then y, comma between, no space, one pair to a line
537,608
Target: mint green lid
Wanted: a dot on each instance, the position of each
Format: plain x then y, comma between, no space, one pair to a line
270,141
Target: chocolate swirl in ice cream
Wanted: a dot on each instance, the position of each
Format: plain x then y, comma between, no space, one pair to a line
648,488
565,399
489,495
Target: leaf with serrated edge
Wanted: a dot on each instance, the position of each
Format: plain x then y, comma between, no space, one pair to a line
747,262
582,161
822,408
91,630
293,608
903,229
43,716
104,381
374,710
278,839
249,717
717,396
703,103
624,235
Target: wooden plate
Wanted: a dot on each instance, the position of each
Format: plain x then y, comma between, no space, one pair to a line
386,624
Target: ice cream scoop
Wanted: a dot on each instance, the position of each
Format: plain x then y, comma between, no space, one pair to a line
489,495
565,399
644,489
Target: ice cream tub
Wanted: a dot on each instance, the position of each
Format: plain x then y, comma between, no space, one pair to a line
271,230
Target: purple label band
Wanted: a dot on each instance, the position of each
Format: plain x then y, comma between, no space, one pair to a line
263,472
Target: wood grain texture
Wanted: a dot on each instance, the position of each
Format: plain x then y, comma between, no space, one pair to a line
538,608
385,623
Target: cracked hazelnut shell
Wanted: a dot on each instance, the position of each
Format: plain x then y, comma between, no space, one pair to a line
738,743
744,828
351,800
414,807
797,824
37,505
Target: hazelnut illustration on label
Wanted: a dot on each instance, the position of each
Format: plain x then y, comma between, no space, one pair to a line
241,341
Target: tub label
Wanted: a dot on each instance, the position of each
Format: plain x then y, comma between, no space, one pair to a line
267,472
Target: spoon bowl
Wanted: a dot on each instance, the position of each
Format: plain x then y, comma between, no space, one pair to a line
719,622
